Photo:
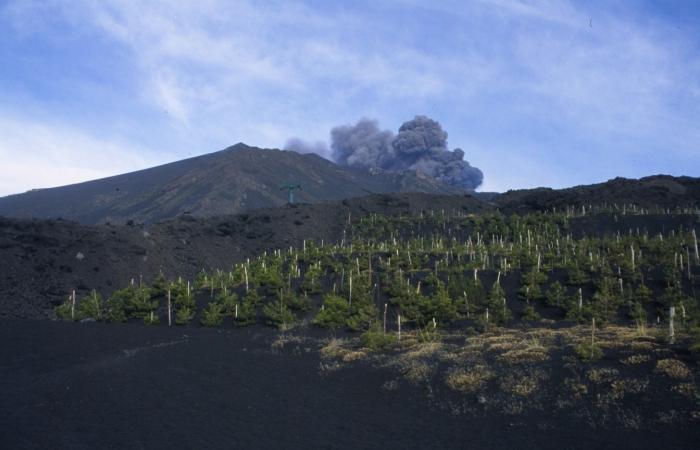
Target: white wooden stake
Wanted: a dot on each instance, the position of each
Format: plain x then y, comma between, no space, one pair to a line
245,272
632,250
580,300
170,323
399,321
385,307
72,306
671,331
97,304
592,335
466,302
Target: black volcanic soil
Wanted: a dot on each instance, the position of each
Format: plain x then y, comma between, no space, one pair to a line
656,191
41,261
93,386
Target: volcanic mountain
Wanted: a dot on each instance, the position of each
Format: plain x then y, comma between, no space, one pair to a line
233,180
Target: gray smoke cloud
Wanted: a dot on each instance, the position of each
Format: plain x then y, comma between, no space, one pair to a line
303,147
362,145
420,145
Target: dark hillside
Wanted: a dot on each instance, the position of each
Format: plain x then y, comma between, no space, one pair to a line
655,191
42,260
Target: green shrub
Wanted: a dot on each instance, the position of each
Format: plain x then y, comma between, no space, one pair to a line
428,334
334,314
253,297
293,301
530,315
246,315
556,295
135,301
115,309
159,286
227,301
90,307
588,352
63,311
694,346
277,314
374,339
184,315
361,316
151,318
213,315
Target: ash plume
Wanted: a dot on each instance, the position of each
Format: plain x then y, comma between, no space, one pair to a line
420,145
301,146
361,145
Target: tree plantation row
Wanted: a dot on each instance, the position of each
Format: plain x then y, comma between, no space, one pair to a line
437,270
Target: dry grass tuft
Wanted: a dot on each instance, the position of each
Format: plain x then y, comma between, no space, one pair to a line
354,355
636,359
522,384
576,388
642,345
672,368
620,388
602,375
283,340
686,389
334,348
424,350
468,380
417,371
528,351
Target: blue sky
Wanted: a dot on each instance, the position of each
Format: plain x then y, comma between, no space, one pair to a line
537,93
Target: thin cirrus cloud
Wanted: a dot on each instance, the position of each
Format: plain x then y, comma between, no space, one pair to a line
537,92
42,155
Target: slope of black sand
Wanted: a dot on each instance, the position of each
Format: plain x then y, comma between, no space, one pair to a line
41,261
93,386
658,191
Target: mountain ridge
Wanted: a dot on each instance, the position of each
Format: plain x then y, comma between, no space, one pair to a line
229,181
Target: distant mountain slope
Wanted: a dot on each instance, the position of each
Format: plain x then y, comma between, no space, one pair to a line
230,181
659,190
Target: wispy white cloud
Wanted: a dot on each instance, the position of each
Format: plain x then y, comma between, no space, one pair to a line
42,154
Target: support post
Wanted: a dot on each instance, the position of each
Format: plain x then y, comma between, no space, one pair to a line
671,330
170,322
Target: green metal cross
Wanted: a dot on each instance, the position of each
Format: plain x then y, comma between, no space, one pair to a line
290,189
